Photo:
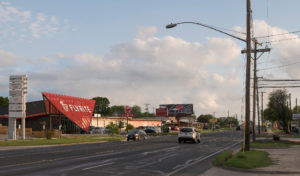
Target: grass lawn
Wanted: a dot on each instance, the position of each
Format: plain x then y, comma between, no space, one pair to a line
277,130
272,144
250,160
63,140
222,158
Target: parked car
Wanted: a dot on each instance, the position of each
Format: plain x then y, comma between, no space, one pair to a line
189,134
238,128
205,127
97,130
136,135
174,127
150,131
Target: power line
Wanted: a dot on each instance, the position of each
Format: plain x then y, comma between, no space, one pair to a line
282,40
274,35
286,65
279,87
280,80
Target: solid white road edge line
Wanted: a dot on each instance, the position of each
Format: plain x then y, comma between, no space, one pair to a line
201,159
98,166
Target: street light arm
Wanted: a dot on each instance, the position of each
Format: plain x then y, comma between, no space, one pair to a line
175,24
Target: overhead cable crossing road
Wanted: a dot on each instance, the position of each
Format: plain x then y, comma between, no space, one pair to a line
279,83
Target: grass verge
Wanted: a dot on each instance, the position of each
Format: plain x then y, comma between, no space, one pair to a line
222,158
273,144
63,140
250,160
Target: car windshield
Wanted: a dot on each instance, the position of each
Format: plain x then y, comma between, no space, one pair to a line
186,130
133,132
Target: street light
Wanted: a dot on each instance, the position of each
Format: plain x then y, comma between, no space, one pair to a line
248,66
172,25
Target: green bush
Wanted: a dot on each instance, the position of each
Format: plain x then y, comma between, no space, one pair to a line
165,129
113,128
129,127
49,134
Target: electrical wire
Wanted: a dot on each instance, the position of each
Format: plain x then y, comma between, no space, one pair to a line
277,67
281,40
274,35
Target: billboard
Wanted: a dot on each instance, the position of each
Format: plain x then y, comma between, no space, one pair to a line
296,116
78,110
162,112
178,110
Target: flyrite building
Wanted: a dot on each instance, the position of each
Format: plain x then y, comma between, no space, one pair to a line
69,114
55,111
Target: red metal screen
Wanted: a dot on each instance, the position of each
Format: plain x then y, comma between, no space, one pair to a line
79,110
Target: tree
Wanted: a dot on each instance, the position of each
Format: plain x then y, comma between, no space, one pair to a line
147,114
204,118
117,111
113,128
231,121
296,109
136,111
270,114
3,101
278,108
102,105
129,127
121,124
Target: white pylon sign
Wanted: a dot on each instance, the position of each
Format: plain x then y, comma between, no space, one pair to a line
17,104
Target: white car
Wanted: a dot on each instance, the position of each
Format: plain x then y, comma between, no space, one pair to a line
189,134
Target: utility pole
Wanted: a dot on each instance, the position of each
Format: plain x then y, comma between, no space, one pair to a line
249,51
262,111
254,92
248,70
290,103
147,107
258,111
296,106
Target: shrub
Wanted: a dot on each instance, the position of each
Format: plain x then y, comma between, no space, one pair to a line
129,127
49,134
113,128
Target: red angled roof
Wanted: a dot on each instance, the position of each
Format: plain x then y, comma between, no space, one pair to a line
79,110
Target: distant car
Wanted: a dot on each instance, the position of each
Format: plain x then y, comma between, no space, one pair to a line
174,127
136,135
150,131
97,130
205,127
238,128
189,134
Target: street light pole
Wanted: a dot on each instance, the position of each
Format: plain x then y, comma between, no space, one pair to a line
248,67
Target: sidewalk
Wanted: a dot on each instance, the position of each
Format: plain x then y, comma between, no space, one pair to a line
288,163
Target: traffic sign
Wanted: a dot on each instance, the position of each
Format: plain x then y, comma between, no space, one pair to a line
213,120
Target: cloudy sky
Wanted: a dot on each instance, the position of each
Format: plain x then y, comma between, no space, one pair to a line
121,49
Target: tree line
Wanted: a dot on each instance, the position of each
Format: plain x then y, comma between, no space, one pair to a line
103,107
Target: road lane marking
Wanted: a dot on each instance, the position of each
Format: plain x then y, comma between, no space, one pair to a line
160,150
201,159
98,166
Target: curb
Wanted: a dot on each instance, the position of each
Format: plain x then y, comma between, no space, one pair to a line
259,171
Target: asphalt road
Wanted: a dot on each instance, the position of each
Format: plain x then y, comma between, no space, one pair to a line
154,156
